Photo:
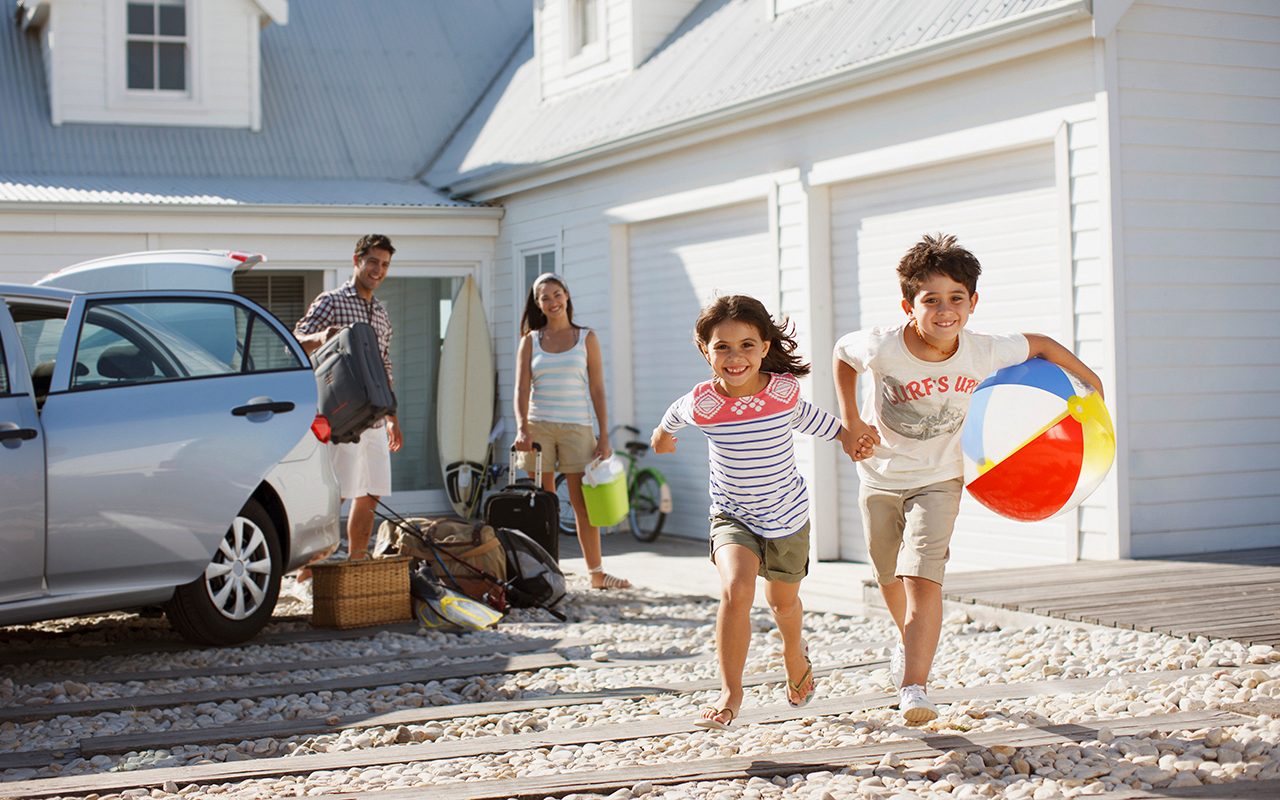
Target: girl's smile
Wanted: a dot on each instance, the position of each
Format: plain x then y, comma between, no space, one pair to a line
735,352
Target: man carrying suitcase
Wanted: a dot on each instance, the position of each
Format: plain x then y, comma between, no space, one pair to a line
363,468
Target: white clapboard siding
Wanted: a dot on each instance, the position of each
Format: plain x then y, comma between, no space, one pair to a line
677,265
1199,159
221,71
1003,208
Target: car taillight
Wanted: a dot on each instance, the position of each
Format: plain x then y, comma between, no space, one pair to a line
320,427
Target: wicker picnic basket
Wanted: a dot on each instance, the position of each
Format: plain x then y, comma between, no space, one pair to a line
353,594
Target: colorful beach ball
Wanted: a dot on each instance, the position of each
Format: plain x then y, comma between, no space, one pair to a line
1036,441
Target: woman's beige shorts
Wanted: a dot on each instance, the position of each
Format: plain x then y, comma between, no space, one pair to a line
566,447
785,558
909,530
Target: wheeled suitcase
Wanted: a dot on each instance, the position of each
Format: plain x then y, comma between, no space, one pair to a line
353,389
528,508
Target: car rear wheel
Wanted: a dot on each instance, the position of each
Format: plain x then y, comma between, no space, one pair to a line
234,597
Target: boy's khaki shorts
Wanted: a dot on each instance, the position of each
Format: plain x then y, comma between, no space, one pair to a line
909,530
566,447
783,559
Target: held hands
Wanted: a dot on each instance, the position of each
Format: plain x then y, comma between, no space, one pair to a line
859,440
662,442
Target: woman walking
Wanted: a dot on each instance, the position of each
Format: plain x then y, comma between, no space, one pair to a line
559,381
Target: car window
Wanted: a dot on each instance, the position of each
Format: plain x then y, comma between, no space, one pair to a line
4,372
132,341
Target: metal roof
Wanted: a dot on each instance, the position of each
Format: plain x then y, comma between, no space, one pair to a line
356,98
725,54
183,190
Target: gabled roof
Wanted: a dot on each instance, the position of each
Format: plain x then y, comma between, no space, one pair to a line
356,99
725,55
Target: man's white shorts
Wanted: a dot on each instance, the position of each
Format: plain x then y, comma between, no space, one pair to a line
363,467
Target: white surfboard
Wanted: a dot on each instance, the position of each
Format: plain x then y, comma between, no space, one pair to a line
464,399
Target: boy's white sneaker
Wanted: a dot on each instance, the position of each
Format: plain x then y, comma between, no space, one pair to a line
897,664
915,705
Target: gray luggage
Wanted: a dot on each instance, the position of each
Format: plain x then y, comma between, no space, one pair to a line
354,393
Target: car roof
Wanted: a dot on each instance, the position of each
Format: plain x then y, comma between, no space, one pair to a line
37,292
155,269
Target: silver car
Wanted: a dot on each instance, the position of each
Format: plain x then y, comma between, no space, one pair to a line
156,447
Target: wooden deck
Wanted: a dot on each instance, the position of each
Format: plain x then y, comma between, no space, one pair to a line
1233,595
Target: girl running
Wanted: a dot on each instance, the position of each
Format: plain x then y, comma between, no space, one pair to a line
759,506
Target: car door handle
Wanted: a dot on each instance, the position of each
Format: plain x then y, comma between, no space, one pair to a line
274,407
24,434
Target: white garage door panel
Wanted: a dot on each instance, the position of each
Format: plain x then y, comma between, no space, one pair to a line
1004,209
678,265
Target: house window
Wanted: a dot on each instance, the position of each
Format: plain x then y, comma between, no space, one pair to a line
157,47
586,24
537,263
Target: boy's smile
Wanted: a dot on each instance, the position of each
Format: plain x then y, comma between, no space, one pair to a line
940,311
735,353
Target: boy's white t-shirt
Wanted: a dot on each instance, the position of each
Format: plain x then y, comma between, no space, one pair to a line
920,405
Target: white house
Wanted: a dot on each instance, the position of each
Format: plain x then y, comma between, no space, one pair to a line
288,129
1113,164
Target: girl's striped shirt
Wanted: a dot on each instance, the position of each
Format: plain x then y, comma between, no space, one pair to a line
753,467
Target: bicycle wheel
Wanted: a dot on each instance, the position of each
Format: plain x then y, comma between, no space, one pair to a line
568,523
645,517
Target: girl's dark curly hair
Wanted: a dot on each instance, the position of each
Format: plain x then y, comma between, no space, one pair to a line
781,338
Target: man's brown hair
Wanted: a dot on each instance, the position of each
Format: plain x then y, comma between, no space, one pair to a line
372,240
937,255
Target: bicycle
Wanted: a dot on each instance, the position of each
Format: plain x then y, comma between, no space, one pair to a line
646,489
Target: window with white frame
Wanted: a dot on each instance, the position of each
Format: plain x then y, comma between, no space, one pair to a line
532,258
157,48
584,26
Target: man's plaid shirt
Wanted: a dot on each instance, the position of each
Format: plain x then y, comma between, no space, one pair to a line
342,307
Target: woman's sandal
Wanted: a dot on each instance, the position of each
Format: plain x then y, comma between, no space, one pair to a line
610,581
794,687
712,722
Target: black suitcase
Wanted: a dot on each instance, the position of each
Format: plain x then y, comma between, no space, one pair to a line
528,508
353,389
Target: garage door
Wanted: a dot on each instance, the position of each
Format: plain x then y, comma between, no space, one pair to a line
1004,209
678,264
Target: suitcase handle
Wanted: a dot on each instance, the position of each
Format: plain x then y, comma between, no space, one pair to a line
537,462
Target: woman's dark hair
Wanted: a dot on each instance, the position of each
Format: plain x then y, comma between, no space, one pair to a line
534,319
741,308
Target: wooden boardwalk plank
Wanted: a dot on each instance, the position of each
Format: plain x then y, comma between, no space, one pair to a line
1013,596
517,663
123,743
800,761
90,652
400,754
1218,595
514,646
1236,790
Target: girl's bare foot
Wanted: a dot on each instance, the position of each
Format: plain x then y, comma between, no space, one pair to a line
722,714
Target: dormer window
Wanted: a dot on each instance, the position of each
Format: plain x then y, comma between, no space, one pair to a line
583,34
586,25
157,46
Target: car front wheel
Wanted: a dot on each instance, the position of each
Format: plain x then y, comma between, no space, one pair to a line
234,597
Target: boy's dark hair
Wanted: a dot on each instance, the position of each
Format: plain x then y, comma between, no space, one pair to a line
533,318
782,344
937,255
372,240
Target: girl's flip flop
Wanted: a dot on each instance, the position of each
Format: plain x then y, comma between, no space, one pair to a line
794,687
711,722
